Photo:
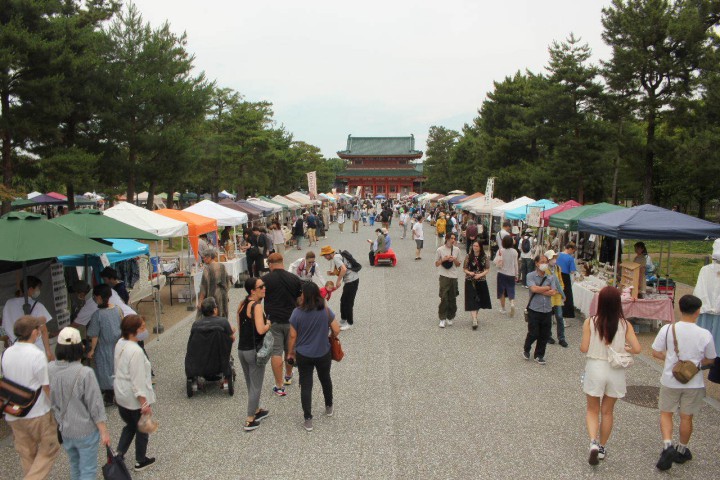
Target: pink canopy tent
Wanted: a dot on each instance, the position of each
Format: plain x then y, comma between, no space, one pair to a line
560,208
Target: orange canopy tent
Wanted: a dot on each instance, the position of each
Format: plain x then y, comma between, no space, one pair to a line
197,224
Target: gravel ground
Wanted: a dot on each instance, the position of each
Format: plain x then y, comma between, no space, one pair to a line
411,400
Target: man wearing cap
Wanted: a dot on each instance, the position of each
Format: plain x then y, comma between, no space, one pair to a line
282,290
35,435
558,300
341,268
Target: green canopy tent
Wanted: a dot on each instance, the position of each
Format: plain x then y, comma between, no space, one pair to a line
568,220
28,236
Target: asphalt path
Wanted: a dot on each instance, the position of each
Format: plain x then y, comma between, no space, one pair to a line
411,400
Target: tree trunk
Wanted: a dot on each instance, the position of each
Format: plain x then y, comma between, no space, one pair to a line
616,165
70,191
132,159
702,204
151,195
170,202
581,190
6,149
649,157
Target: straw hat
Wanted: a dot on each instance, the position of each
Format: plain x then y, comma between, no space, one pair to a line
326,250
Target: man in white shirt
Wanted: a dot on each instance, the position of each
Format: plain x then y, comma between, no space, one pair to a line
693,344
418,236
447,261
35,434
14,310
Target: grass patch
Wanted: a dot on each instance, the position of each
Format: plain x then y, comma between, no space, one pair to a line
698,247
684,270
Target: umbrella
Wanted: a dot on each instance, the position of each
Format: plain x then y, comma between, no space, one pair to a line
381,197
93,224
47,200
28,236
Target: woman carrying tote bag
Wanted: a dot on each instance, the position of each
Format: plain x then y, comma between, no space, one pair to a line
605,335
252,327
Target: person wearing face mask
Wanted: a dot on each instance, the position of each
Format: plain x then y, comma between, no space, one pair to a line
104,332
13,311
134,393
542,288
557,300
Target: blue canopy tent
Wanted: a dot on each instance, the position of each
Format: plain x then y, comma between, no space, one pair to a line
126,249
457,199
520,213
648,222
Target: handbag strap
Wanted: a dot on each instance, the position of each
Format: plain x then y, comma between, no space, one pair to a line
67,404
533,293
675,342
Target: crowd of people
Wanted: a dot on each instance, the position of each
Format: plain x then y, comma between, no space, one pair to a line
287,311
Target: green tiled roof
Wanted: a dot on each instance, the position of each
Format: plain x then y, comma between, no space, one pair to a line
407,172
378,146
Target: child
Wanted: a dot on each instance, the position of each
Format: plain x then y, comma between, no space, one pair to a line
326,291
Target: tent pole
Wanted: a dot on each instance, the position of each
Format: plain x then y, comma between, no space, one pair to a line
667,274
615,266
26,305
159,328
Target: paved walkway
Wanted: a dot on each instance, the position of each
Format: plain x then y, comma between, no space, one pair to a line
411,401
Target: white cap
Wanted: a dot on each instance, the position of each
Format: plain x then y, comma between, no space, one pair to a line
550,254
69,336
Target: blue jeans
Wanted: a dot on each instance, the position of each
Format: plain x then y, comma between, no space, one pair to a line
558,314
83,454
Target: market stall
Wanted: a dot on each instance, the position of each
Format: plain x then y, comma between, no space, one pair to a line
570,204
197,225
520,213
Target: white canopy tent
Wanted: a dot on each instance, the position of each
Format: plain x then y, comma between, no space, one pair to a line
303,198
225,194
265,205
286,201
226,217
146,220
479,207
518,202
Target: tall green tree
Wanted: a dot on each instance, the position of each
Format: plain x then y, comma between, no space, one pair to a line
657,45
438,159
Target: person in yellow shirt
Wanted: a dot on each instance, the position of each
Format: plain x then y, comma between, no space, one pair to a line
557,301
440,228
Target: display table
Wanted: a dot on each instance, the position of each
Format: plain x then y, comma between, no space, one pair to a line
234,268
585,291
655,307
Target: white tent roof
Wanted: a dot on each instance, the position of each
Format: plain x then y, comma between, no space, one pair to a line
226,217
225,194
265,205
142,196
286,201
146,220
518,202
305,199
32,195
478,206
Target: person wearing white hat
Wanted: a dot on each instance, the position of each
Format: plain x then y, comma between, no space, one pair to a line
77,405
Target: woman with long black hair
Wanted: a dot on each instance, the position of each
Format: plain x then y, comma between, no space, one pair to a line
604,384
477,294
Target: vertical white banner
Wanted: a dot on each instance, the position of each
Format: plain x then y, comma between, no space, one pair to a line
312,184
489,190
358,191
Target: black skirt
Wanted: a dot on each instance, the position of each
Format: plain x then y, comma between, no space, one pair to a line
569,306
477,296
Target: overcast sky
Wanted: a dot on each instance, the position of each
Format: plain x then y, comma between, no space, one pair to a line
372,68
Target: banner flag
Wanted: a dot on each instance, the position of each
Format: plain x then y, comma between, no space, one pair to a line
312,184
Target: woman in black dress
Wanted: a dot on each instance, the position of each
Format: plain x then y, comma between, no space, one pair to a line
477,295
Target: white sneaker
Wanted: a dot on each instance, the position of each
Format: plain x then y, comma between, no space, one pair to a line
344,325
442,324
449,322
502,310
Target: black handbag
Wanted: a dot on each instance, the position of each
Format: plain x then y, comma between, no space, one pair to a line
115,468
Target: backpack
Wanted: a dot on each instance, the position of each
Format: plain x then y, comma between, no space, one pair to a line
354,264
525,246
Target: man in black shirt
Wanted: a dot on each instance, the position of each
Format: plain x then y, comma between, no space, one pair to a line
282,290
255,252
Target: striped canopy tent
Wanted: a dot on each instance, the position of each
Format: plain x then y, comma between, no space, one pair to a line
520,213
570,204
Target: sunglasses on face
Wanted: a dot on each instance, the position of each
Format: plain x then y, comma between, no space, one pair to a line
260,286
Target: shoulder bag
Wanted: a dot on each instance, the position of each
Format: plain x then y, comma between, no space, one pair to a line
683,370
263,352
336,351
620,359
525,313
16,399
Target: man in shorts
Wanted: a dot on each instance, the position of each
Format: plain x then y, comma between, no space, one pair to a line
282,290
696,345
418,236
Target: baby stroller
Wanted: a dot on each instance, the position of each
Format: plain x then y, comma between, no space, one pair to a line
208,359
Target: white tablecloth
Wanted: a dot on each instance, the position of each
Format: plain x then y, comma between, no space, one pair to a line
583,293
234,268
